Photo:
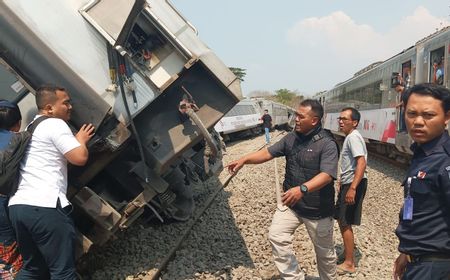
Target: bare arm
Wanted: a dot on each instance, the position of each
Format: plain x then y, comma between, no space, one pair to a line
399,267
252,158
79,155
359,174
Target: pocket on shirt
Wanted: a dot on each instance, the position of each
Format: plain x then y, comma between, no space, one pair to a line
420,191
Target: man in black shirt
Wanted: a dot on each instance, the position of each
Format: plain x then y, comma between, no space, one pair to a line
311,166
424,228
267,124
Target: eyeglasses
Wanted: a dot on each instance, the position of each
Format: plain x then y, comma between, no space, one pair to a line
343,119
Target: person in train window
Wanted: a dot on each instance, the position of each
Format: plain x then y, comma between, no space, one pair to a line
424,225
438,72
352,184
311,167
267,124
399,87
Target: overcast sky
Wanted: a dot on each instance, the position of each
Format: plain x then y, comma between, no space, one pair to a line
309,46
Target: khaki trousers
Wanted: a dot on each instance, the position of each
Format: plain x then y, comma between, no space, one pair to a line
320,232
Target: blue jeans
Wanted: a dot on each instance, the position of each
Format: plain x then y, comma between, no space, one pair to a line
46,238
266,130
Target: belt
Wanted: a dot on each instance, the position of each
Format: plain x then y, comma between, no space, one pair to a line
427,258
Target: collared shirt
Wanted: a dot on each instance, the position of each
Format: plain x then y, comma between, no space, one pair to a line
43,172
429,230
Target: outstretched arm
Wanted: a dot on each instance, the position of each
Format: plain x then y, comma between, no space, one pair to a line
252,158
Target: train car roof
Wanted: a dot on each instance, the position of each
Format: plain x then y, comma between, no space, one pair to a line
375,65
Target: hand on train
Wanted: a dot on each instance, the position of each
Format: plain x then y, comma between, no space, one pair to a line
85,133
292,196
350,196
234,166
399,267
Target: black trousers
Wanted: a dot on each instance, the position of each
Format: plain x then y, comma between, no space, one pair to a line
46,241
428,270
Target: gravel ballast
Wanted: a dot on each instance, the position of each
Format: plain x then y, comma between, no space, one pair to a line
229,241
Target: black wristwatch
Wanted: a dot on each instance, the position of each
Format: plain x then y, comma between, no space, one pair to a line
304,189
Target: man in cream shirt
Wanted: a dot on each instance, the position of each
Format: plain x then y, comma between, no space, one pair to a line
39,210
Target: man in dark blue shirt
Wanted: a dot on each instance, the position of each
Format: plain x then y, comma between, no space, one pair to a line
424,228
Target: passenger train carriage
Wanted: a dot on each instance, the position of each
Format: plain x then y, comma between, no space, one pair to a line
370,91
244,118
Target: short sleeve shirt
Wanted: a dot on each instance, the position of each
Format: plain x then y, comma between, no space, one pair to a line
43,171
353,147
328,155
267,120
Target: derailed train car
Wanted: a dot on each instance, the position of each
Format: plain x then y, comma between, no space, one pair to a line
244,119
130,67
371,92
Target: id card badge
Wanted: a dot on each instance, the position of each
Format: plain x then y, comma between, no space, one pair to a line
408,208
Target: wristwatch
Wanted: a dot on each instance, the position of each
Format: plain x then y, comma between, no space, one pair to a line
304,189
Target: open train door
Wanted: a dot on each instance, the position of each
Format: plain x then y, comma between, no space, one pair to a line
115,28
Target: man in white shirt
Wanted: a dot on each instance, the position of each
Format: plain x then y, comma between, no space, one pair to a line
352,184
39,210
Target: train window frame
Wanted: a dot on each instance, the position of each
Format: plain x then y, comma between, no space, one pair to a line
406,72
114,30
437,56
19,88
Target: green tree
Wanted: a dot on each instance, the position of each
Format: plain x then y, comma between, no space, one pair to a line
238,72
288,97
284,96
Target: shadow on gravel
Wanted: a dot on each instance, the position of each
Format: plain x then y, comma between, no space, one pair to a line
357,254
214,247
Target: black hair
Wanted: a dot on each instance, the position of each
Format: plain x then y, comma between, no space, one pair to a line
46,94
9,114
355,115
427,89
315,105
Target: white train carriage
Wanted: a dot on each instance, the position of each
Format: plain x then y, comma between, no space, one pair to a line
242,119
280,113
370,91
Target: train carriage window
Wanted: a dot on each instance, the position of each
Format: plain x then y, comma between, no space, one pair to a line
240,110
406,72
437,66
10,87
